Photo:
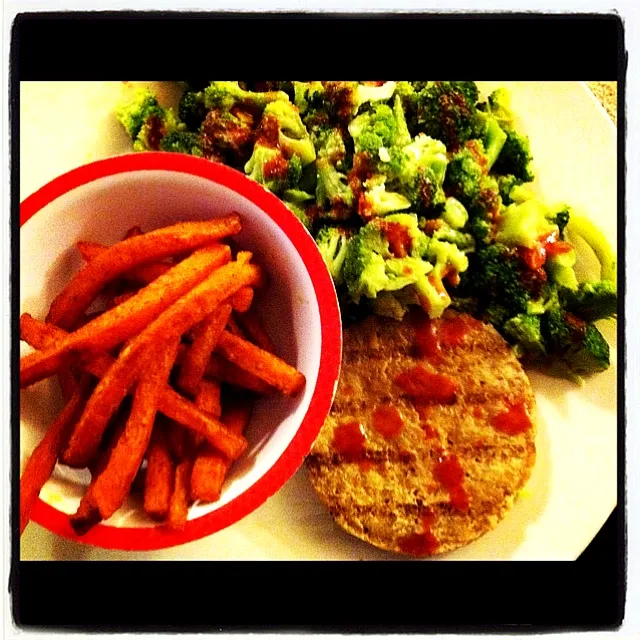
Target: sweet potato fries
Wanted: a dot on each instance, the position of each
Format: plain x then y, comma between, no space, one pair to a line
167,338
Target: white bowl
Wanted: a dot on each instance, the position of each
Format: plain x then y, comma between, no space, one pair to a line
99,202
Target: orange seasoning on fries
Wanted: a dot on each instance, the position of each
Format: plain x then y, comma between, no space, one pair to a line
175,296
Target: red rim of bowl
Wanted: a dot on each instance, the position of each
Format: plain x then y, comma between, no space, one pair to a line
159,537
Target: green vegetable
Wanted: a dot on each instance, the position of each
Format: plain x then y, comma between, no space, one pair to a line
524,330
446,111
332,243
591,300
515,157
524,224
226,95
293,138
146,122
454,214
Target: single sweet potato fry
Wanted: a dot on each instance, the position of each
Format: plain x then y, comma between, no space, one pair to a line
108,490
207,476
111,390
130,253
241,301
253,327
158,483
116,325
179,504
144,274
90,250
172,404
210,469
42,461
226,371
208,398
196,357
261,363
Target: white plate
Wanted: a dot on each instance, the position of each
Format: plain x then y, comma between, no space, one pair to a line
573,488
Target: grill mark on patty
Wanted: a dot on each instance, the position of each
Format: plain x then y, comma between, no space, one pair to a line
392,456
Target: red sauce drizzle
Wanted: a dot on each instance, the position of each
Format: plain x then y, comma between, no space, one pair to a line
429,432
427,340
398,236
421,544
431,336
276,168
454,329
451,475
387,421
156,131
348,391
268,131
348,440
535,257
514,420
420,383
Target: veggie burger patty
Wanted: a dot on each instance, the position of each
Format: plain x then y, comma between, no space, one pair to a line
430,437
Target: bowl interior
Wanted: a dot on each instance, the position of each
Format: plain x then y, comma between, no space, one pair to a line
102,211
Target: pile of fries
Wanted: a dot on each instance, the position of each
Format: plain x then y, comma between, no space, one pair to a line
159,354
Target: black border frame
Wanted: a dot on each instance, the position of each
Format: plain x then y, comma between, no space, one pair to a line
527,596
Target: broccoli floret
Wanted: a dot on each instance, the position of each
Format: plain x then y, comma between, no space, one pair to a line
375,200
332,242
228,136
403,136
493,138
506,184
226,95
374,130
269,167
379,260
495,278
591,301
364,269
417,170
330,145
588,353
307,95
146,121
454,214
192,110
515,158
524,331
467,180
332,188
133,114
464,241
343,99
499,106
561,219
446,111
182,142
479,229
293,137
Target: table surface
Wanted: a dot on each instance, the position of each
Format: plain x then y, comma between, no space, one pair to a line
38,544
